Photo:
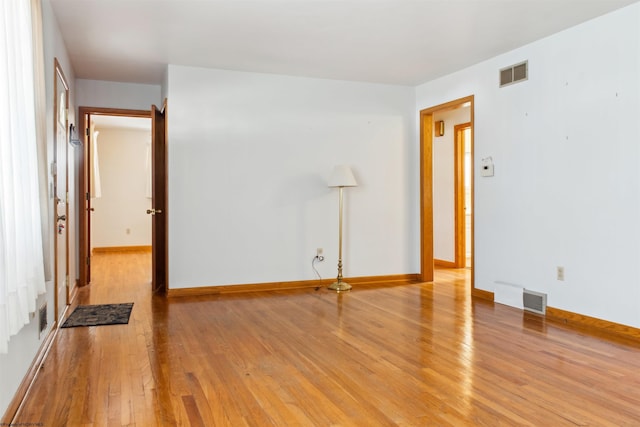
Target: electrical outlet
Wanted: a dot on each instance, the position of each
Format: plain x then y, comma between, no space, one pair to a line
128,231
319,254
560,273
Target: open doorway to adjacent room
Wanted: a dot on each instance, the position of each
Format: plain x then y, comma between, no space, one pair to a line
120,190
446,147
118,175
122,177
463,190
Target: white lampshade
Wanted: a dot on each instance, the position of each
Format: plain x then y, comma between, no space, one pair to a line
342,177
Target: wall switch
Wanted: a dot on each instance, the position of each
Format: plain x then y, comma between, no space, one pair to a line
128,231
560,273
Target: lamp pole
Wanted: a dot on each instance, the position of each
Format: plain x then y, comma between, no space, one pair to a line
339,285
341,177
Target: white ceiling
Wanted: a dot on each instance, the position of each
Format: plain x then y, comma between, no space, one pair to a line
387,41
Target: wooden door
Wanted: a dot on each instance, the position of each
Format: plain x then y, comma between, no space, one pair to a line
159,199
84,277
90,148
60,192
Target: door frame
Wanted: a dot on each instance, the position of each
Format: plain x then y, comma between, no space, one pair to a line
426,186
460,205
83,164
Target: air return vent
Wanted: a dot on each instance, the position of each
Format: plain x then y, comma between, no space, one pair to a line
42,318
534,301
514,74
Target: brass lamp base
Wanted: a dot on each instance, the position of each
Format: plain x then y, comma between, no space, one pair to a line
340,286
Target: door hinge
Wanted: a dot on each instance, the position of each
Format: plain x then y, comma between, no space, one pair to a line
87,131
87,196
88,260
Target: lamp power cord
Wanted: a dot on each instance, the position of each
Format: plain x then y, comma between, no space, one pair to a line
317,258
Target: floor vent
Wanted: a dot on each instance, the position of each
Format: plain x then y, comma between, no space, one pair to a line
42,318
514,73
534,301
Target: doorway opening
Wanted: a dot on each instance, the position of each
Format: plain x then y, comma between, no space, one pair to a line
124,152
463,190
446,187
120,184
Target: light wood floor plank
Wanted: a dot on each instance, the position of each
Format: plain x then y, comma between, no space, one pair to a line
409,355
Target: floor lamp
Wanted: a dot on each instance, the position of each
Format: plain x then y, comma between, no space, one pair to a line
341,177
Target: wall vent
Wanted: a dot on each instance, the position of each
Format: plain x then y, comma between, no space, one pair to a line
514,74
534,301
42,318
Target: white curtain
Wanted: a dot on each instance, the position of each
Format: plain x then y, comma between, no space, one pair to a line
39,76
21,255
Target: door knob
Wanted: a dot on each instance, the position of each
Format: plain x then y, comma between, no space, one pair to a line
154,211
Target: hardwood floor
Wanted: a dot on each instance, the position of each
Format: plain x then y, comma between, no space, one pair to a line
411,355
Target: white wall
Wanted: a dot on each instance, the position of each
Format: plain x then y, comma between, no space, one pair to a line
444,184
120,217
248,159
134,96
565,145
24,346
